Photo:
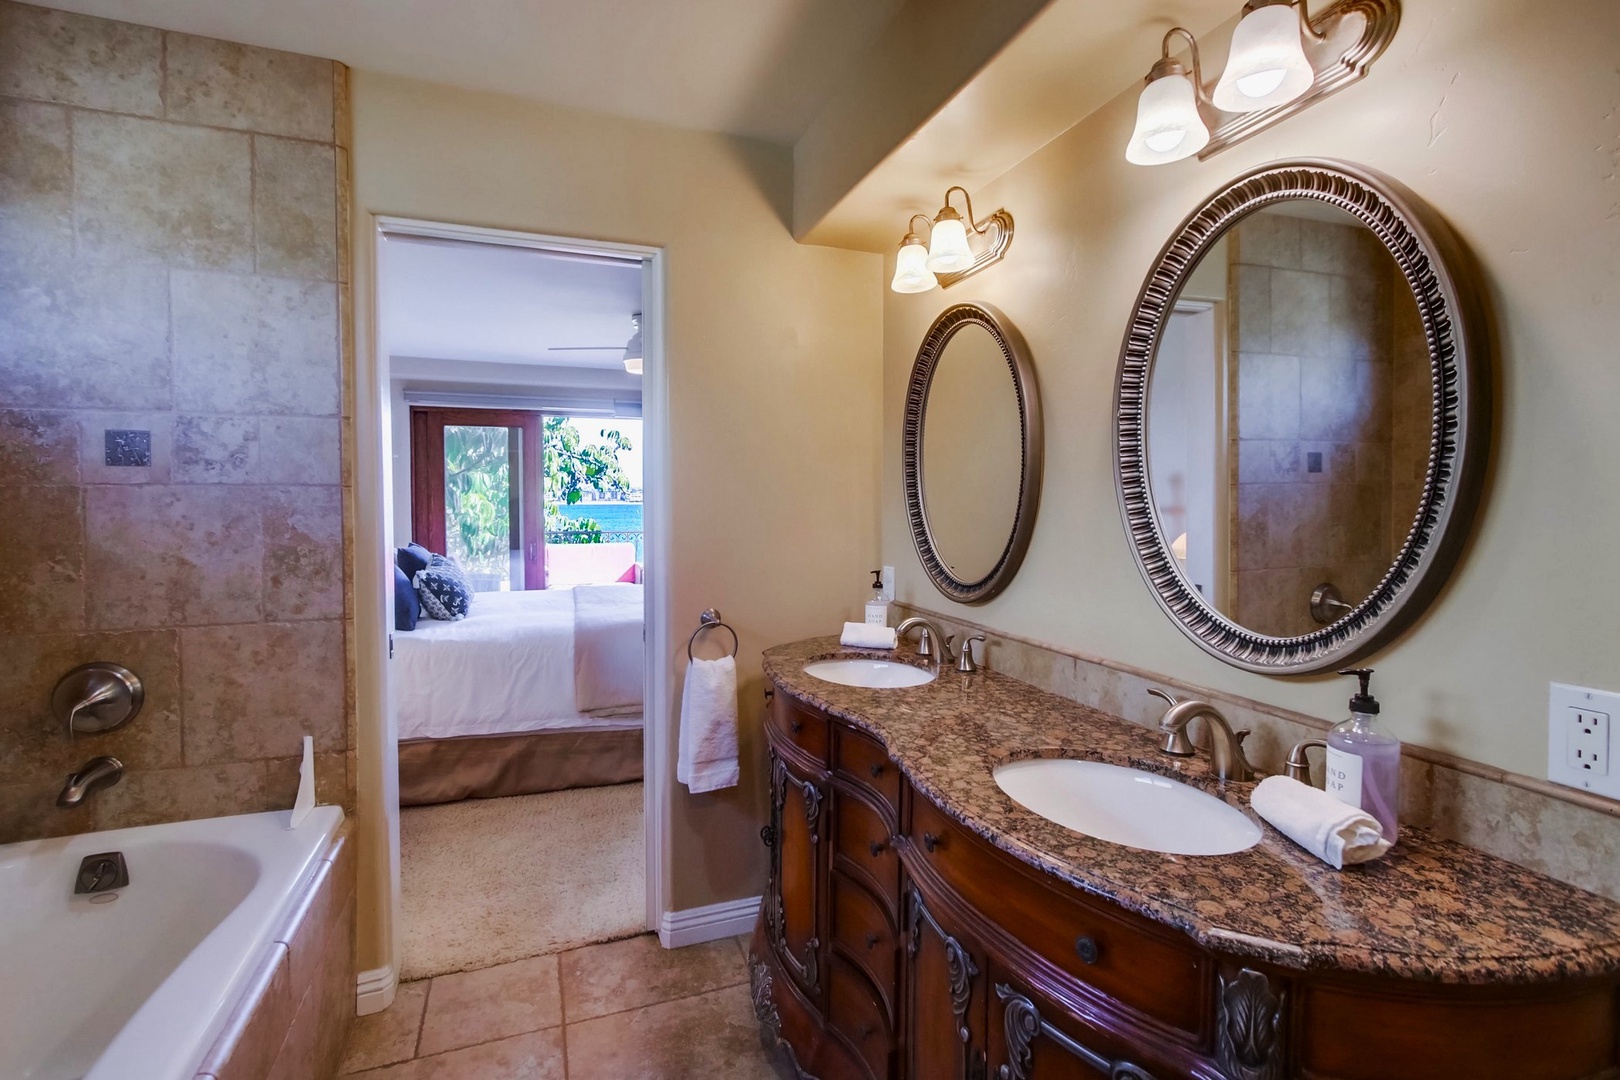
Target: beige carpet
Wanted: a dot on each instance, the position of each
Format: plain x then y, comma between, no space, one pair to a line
488,881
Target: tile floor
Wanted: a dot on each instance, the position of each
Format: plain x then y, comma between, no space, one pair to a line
621,1010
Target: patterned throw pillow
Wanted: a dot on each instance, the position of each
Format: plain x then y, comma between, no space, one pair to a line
443,587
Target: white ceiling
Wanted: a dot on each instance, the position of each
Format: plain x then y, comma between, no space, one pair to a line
451,300
748,67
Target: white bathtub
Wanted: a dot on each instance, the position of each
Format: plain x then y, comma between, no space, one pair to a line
139,988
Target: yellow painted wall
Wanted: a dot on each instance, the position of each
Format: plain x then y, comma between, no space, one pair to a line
774,384
1506,118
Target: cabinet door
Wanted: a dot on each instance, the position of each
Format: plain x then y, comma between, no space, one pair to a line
1030,1040
945,999
793,908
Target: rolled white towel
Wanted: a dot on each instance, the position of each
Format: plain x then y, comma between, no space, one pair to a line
859,635
1335,832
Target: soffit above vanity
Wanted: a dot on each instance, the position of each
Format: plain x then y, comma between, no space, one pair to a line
1046,74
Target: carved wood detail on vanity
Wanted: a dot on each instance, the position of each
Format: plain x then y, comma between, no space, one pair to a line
914,948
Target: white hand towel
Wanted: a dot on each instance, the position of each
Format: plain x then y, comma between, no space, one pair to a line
859,635
304,801
708,746
1335,832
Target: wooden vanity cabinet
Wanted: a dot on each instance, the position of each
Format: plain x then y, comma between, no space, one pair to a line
896,944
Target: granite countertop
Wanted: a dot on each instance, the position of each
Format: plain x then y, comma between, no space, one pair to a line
1431,909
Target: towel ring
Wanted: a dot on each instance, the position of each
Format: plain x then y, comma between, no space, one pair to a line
710,620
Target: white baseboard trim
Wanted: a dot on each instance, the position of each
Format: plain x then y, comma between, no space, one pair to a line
697,925
374,990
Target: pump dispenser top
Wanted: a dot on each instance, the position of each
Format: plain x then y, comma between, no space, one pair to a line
1362,702
1364,760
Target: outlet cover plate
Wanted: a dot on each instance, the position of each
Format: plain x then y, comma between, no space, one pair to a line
1580,725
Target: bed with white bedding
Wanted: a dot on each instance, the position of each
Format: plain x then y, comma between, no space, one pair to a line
532,691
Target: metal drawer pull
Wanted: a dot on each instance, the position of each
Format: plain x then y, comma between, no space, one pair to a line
876,771
866,1031
930,842
871,941
1085,947
770,693
876,848
795,726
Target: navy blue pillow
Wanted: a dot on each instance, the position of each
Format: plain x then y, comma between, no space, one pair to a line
412,558
407,608
444,590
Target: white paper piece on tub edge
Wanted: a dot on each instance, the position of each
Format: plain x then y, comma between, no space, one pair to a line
304,802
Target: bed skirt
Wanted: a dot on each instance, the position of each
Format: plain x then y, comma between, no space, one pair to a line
494,766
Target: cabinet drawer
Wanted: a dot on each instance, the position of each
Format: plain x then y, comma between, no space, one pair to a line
862,930
863,760
863,848
799,725
1137,963
854,1011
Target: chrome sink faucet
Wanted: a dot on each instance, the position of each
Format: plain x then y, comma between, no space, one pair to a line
92,776
926,642
1225,745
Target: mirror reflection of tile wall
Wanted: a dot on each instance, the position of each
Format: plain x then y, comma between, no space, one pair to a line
1330,422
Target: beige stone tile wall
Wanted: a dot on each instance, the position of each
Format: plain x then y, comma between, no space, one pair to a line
1322,482
1563,833
169,263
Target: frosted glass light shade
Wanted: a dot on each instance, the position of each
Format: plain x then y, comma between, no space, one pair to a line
1168,127
1267,65
911,273
632,351
948,251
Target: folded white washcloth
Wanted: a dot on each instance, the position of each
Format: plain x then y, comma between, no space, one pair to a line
1335,832
708,743
859,635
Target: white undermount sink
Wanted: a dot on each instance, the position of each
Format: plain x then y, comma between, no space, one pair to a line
1127,806
872,674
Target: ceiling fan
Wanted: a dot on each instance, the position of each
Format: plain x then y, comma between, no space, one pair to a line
631,349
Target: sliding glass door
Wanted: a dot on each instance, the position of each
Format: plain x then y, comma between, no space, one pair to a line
477,493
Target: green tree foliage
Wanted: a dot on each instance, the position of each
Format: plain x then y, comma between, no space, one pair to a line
478,494
574,470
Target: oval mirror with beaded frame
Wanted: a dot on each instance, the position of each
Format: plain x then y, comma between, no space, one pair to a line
1032,438
1437,269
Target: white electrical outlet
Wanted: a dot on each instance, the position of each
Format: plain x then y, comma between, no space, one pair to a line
1587,743
1578,725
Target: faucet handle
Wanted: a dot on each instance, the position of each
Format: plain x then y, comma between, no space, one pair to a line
964,662
925,643
1168,698
1299,762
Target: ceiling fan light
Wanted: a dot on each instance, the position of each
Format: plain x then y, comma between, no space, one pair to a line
1267,65
632,348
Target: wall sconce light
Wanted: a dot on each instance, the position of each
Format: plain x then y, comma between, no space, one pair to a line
948,256
1281,61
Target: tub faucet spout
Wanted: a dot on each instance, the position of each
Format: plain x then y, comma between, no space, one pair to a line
93,775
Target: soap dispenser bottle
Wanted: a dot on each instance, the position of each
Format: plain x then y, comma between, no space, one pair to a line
1364,760
877,608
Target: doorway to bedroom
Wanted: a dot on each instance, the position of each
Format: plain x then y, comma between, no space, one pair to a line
518,658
